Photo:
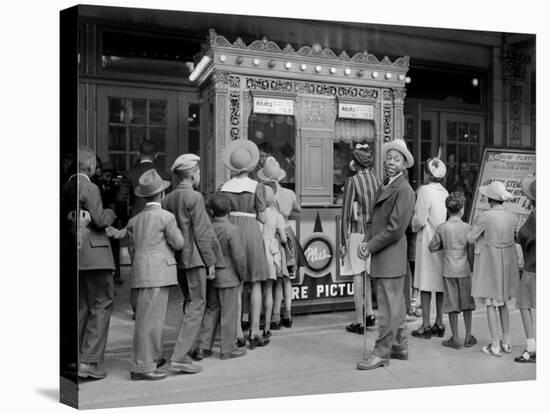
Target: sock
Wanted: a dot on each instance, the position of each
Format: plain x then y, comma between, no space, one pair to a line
496,346
531,345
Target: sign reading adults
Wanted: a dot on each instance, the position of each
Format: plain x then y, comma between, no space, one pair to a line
273,106
508,166
355,111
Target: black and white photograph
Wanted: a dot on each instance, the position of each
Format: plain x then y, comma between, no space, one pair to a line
251,203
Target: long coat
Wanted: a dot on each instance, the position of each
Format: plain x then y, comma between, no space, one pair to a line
391,215
496,273
429,213
153,237
95,252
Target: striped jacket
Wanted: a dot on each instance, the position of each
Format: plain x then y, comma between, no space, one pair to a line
363,188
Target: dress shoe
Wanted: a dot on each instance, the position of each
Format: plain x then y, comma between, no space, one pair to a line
235,354
241,342
372,362
399,353
287,323
200,354
527,356
470,341
355,328
451,343
258,340
91,371
267,334
422,332
438,330
275,326
147,376
370,321
186,367
161,362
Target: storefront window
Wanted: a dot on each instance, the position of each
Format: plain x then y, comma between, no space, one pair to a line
275,136
131,121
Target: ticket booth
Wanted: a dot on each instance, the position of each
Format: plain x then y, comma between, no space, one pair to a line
307,108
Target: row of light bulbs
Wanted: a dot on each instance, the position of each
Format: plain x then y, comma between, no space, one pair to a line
318,68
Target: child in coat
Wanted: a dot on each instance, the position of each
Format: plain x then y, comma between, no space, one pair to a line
457,282
496,273
222,292
153,237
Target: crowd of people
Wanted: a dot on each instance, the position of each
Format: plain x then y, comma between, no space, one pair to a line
234,254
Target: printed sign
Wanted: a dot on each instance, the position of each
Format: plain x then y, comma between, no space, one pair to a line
318,253
273,106
354,111
508,166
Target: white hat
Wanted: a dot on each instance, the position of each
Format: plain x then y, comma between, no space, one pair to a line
271,171
185,162
241,155
437,167
496,191
401,146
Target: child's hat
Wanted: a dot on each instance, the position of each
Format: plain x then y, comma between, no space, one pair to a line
150,183
271,171
496,191
185,162
241,155
529,186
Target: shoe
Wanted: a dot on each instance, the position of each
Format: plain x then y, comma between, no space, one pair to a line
91,371
372,362
422,332
370,321
267,334
258,341
186,367
399,353
287,323
506,348
241,342
161,362
526,356
235,354
275,326
488,349
245,325
200,354
438,330
451,343
470,341
355,328
147,376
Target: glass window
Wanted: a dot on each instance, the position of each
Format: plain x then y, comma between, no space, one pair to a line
193,124
275,136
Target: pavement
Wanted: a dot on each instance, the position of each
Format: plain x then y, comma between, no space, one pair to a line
315,356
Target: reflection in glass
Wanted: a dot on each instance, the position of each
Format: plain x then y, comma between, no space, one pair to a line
137,135
463,153
463,131
117,138
117,112
138,111
193,117
157,135
157,112
474,132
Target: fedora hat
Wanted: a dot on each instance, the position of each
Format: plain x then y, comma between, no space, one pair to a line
241,155
496,191
271,171
150,183
398,145
529,186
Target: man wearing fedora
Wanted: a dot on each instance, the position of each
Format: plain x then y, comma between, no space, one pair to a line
198,259
95,265
153,237
391,216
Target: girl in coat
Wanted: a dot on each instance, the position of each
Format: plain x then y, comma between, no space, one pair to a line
247,212
429,212
496,274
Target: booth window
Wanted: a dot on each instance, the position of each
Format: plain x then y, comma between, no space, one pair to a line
348,133
132,121
275,136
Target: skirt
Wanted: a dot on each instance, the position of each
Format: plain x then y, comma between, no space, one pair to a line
254,247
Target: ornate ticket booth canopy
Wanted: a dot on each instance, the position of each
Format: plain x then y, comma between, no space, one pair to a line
321,97
307,108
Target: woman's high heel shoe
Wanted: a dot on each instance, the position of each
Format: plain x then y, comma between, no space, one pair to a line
438,330
257,340
422,332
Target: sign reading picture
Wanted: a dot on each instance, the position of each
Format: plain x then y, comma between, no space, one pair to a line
508,166
273,106
355,111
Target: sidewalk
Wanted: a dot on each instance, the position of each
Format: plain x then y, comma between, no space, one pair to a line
315,356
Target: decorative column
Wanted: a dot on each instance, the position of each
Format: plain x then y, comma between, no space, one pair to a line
219,174
398,104
517,101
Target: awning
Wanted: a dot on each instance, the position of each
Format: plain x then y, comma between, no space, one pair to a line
354,130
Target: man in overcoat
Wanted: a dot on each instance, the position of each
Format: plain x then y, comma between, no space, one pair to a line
392,215
95,264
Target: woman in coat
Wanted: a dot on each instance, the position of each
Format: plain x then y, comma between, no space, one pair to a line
429,212
496,274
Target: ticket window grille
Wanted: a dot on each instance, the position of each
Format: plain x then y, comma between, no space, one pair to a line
132,121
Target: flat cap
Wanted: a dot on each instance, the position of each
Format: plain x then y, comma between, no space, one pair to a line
185,162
